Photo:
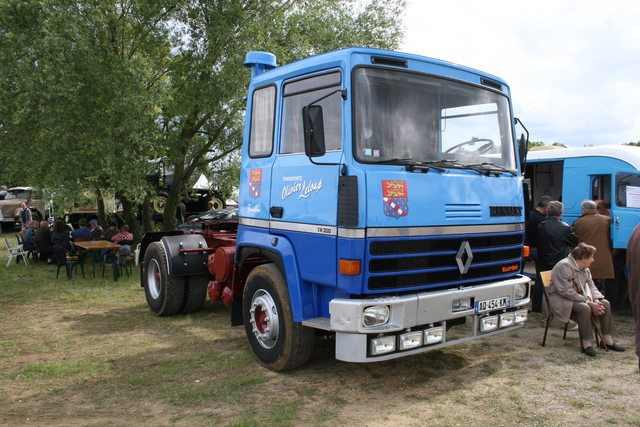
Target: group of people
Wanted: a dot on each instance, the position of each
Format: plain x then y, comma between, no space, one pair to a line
580,258
40,237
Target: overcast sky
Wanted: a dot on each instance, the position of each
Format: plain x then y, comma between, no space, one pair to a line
573,66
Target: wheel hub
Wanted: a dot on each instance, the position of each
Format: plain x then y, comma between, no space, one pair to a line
264,319
154,279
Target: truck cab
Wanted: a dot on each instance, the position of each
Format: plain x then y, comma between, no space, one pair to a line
370,174
380,201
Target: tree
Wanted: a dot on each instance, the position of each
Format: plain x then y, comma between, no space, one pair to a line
202,120
93,91
79,78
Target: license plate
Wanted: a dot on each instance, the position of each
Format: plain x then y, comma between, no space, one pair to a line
492,304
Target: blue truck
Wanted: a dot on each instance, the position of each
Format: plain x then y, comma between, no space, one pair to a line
381,202
606,172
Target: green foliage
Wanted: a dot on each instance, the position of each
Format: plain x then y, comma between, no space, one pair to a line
535,144
542,144
94,91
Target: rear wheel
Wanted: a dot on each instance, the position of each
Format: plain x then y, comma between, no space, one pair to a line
279,343
165,294
217,202
195,293
160,202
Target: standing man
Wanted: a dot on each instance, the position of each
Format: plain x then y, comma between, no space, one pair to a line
25,215
633,264
536,216
555,238
96,230
594,229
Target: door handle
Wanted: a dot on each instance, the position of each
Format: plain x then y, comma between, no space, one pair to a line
276,211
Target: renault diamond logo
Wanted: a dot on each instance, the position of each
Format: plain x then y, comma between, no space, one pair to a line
465,249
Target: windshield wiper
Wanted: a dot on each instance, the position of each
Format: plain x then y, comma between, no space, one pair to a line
488,169
394,160
432,164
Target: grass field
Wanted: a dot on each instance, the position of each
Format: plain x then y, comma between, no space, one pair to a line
88,352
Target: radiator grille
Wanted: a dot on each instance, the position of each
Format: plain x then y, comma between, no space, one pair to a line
422,262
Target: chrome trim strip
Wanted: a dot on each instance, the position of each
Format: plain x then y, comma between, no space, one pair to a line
443,231
326,230
351,233
262,223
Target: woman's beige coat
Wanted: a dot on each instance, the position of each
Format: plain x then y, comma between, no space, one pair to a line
562,291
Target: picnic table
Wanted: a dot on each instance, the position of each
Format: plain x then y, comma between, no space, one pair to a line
97,245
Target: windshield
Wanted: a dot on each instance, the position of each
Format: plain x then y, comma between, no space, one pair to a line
17,194
401,116
218,214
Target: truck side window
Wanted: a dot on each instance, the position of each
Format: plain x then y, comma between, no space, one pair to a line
627,183
299,94
262,122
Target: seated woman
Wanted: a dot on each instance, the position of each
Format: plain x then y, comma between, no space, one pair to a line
572,291
60,236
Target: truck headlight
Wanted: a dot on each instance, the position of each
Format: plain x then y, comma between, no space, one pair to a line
375,315
382,345
433,335
521,290
410,340
521,315
507,319
461,304
488,323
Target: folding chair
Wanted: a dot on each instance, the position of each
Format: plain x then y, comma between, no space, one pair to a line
15,252
29,248
546,281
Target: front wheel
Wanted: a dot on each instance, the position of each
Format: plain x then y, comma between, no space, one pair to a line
279,343
165,294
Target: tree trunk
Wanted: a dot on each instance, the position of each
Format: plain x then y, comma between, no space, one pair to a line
169,215
146,211
129,216
102,219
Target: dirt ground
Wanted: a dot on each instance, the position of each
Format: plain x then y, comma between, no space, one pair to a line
508,379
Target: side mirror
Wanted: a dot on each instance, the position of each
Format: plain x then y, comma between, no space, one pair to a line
522,148
523,144
314,145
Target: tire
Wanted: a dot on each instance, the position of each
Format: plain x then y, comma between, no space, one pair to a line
36,215
165,294
195,293
217,201
159,203
278,342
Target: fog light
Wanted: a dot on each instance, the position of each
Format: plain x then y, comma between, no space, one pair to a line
521,315
461,304
488,323
433,335
507,319
382,345
375,315
410,340
521,290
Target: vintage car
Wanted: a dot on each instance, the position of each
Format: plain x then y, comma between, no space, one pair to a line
10,206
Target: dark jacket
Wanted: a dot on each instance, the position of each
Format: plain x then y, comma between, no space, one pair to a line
555,242
61,238
43,239
531,228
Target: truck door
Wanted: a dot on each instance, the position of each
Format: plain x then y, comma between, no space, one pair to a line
304,194
625,209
